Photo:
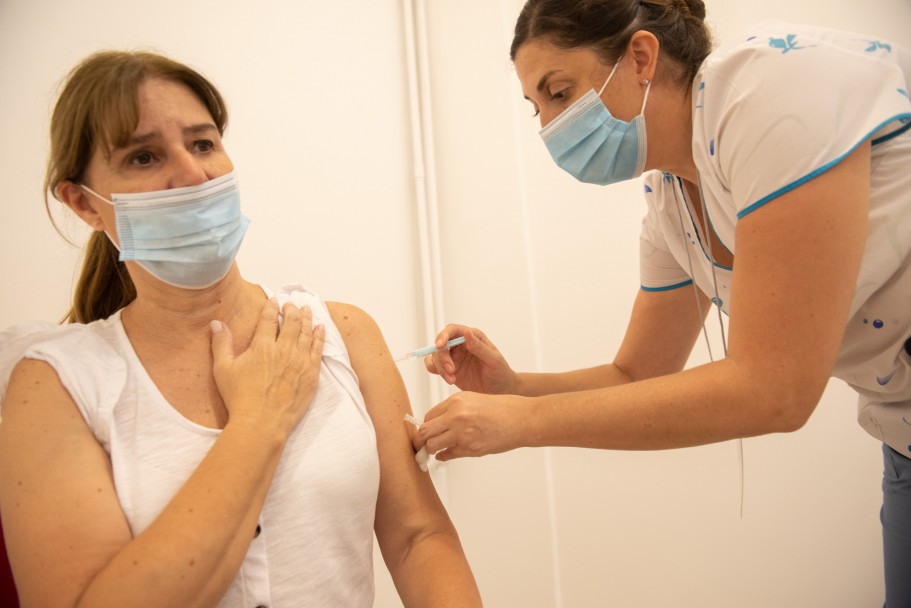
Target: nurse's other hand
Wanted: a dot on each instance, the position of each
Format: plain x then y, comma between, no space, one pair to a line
473,424
476,365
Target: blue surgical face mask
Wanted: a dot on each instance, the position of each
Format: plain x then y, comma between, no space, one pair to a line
187,237
593,146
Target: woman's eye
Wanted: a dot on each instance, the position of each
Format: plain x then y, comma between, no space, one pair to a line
537,113
205,145
558,95
142,158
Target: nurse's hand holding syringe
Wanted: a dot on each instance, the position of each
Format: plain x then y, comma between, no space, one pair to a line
477,365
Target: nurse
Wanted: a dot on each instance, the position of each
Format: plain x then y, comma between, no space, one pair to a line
777,176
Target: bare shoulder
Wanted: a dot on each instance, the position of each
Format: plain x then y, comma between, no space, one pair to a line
360,332
35,384
379,379
41,420
350,318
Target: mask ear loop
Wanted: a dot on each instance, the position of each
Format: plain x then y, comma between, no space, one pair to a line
95,194
646,82
99,197
609,76
648,87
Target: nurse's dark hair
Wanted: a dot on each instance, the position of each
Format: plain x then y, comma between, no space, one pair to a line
98,109
606,26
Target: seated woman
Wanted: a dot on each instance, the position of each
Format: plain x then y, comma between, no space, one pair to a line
190,438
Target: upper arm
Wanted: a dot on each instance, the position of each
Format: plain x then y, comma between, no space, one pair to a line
61,517
407,504
663,327
796,268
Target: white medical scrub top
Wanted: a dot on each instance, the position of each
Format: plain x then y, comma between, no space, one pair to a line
782,105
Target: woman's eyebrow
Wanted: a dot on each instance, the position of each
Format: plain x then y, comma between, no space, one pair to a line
202,127
141,138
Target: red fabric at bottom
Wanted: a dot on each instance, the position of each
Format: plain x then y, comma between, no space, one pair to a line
8,596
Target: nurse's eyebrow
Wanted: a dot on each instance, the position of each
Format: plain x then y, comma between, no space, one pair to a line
543,82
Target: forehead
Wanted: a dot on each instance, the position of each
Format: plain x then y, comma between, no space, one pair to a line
166,99
127,112
538,57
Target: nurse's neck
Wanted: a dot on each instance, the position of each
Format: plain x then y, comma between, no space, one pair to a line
669,128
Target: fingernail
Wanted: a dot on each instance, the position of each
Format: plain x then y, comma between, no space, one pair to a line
216,326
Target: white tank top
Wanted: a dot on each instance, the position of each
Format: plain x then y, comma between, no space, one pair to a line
313,545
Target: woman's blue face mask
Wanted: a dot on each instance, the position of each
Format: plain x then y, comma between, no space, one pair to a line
187,237
593,146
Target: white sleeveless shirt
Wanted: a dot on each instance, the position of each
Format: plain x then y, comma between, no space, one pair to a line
313,545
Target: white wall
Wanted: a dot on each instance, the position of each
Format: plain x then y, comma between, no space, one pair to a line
321,137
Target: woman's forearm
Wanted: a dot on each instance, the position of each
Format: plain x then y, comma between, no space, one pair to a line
190,554
437,573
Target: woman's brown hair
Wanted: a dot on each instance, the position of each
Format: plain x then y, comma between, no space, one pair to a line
98,109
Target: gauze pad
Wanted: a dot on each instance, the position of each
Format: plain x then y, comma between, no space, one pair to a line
422,456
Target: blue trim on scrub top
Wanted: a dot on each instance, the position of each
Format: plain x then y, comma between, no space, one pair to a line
668,288
827,166
894,133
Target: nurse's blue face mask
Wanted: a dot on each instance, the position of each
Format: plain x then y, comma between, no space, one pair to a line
187,237
593,146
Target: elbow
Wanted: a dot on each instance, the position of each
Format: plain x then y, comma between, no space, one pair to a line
789,422
789,411
401,543
780,398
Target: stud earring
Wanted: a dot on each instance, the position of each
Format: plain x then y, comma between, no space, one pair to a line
645,82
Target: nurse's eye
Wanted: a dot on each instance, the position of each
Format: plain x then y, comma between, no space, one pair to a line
559,95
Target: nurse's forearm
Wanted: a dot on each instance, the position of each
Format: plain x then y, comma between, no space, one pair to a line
714,402
537,385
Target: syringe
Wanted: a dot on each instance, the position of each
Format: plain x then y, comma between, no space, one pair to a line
429,350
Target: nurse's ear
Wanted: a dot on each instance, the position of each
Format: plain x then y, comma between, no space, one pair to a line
644,48
81,202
